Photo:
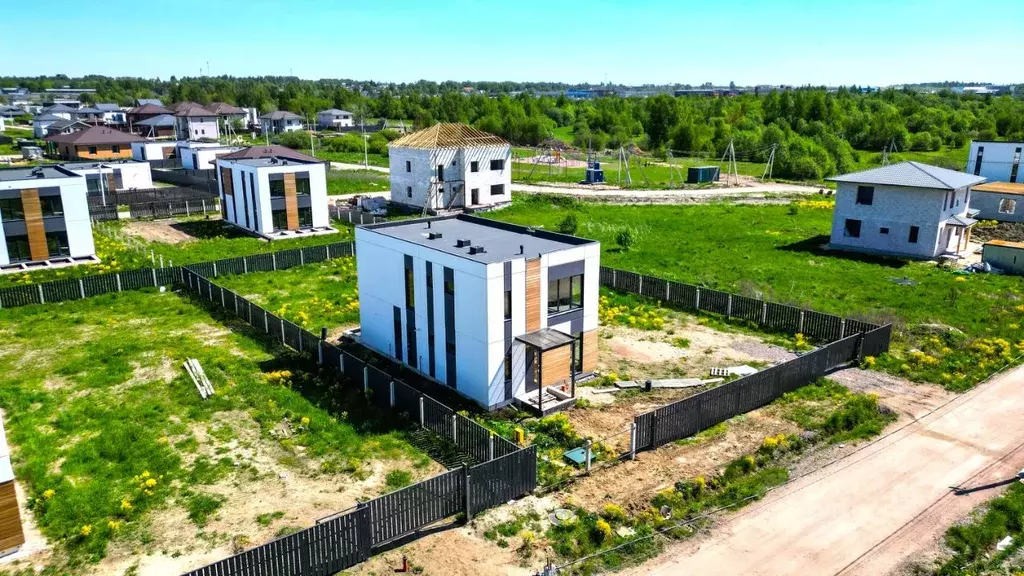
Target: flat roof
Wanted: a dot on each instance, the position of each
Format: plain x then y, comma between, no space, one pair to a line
274,162
98,164
546,339
35,173
1000,188
1005,243
500,240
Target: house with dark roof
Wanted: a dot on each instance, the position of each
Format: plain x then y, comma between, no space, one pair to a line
195,122
332,119
280,121
906,210
156,127
42,122
274,192
93,143
112,114
65,127
88,114
450,166
139,102
228,115
62,110
146,112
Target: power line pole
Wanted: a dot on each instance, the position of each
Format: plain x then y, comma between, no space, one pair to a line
731,169
771,163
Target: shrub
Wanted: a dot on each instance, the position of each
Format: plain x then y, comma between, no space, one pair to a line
568,225
602,530
397,479
625,239
613,513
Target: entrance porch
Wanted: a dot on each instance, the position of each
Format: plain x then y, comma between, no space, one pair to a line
550,371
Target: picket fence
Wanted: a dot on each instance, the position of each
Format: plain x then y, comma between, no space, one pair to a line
94,285
503,470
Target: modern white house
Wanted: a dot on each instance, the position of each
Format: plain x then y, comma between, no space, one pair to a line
274,192
1000,201
907,210
1004,255
155,149
201,155
45,218
450,166
112,114
42,122
11,534
193,122
113,175
996,161
333,118
280,121
498,312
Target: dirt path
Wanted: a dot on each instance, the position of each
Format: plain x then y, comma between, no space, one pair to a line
877,507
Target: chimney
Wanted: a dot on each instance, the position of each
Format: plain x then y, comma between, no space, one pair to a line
428,224
522,250
433,235
462,242
477,250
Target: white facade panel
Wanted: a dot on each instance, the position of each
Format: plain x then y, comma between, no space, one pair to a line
1000,161
78,225
414,170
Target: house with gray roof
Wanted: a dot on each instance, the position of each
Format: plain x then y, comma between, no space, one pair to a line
280,121
333,119
112,113
42,122
906,210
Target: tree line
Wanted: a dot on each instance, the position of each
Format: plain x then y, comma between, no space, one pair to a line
815,133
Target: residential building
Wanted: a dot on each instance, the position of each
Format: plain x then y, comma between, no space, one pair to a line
1004,255
57,127
112,114
1000,201
164,125
93,143
88,114
907,210
155,149
996,161
10,111
42,122
498,312
62,110
280,121
145,101
333,119
450,166
228,115
112,176
274,192
201,155
68,92
45,218
11,534
146,112
195,122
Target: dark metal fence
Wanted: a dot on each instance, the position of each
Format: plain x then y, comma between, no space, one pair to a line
169,194
817,326
354,216
504,471
76,289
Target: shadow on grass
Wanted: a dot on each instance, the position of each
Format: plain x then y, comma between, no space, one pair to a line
816,245
208,229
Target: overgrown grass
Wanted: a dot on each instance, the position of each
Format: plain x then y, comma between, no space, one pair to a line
351,157
356,181
313,296
774,252
644,174
972,543
101,417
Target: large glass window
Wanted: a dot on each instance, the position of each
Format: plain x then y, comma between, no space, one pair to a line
508,365
577,346
508,304
51,206
11,209
17,249
305,217
565,294
93,185
276,188
302,184
57,244
410,289
280,219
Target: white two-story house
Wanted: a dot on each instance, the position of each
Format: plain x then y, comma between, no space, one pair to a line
280,121
500,313
907,210
996,161
450,166
333,119
193,122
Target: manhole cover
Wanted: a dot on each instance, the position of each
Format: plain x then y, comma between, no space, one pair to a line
562,516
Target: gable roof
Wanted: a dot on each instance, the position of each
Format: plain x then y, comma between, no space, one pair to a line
280,115
272,151
48,118
95,135
191,109
162,120
108,107
452,135
59,108
223,108
150,109
334,111
62,124
144,101
911,175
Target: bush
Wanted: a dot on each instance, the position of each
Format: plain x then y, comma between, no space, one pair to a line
397,479
294,140
568,225
625,239
613,513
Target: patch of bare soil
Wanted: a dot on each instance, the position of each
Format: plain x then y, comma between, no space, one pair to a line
285,485
452,552
908,399
157,231
632,484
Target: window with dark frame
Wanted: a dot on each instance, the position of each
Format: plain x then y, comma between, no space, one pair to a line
410,289
306,217
11,209
115,149
852,228
508,366
57,244
18,249
449,287
408,166
914,231
408,191
277,188
1016,165
497,189
498,164
577,346
474,166
865,195
883,230
508,304
977,160
92,149
279,219
302,186
565,294
51,206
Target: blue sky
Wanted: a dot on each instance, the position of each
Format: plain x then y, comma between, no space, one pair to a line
874,42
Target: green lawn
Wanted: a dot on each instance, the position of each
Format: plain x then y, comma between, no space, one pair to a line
658,173
963,326
351,157
313,296
356,181
110,428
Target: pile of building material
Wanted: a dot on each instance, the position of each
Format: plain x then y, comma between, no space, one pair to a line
669,383
741,371
199,378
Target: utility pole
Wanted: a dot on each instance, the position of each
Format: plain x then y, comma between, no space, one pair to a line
312,146
362,129
731,169
771,163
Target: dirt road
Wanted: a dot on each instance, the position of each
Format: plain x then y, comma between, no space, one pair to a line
878,507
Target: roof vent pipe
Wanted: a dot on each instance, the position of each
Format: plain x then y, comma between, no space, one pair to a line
522,250
428,223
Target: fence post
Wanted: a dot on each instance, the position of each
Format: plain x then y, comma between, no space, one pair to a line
42,300
696,302
587,456
728,307
215,269
81,287
764,313
366,379
466,485
273,256
302,256
613,279
654,429
328,248
187,211
667,284
282,324
204,205
223,304
234,300
391,391
266,323
842,328
454,428
161,261
341,363
153,270
118,278
323,338
490,447
632,440
800,329
640,284
421,412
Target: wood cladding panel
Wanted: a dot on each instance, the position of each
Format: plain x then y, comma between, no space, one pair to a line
225,181
590,351
11,534
34,224
533,294
111,181
103,152
291,202
554,365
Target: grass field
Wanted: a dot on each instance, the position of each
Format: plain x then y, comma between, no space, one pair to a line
962,327
212,240
658,173
350,157
107,430
313,296
356,181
